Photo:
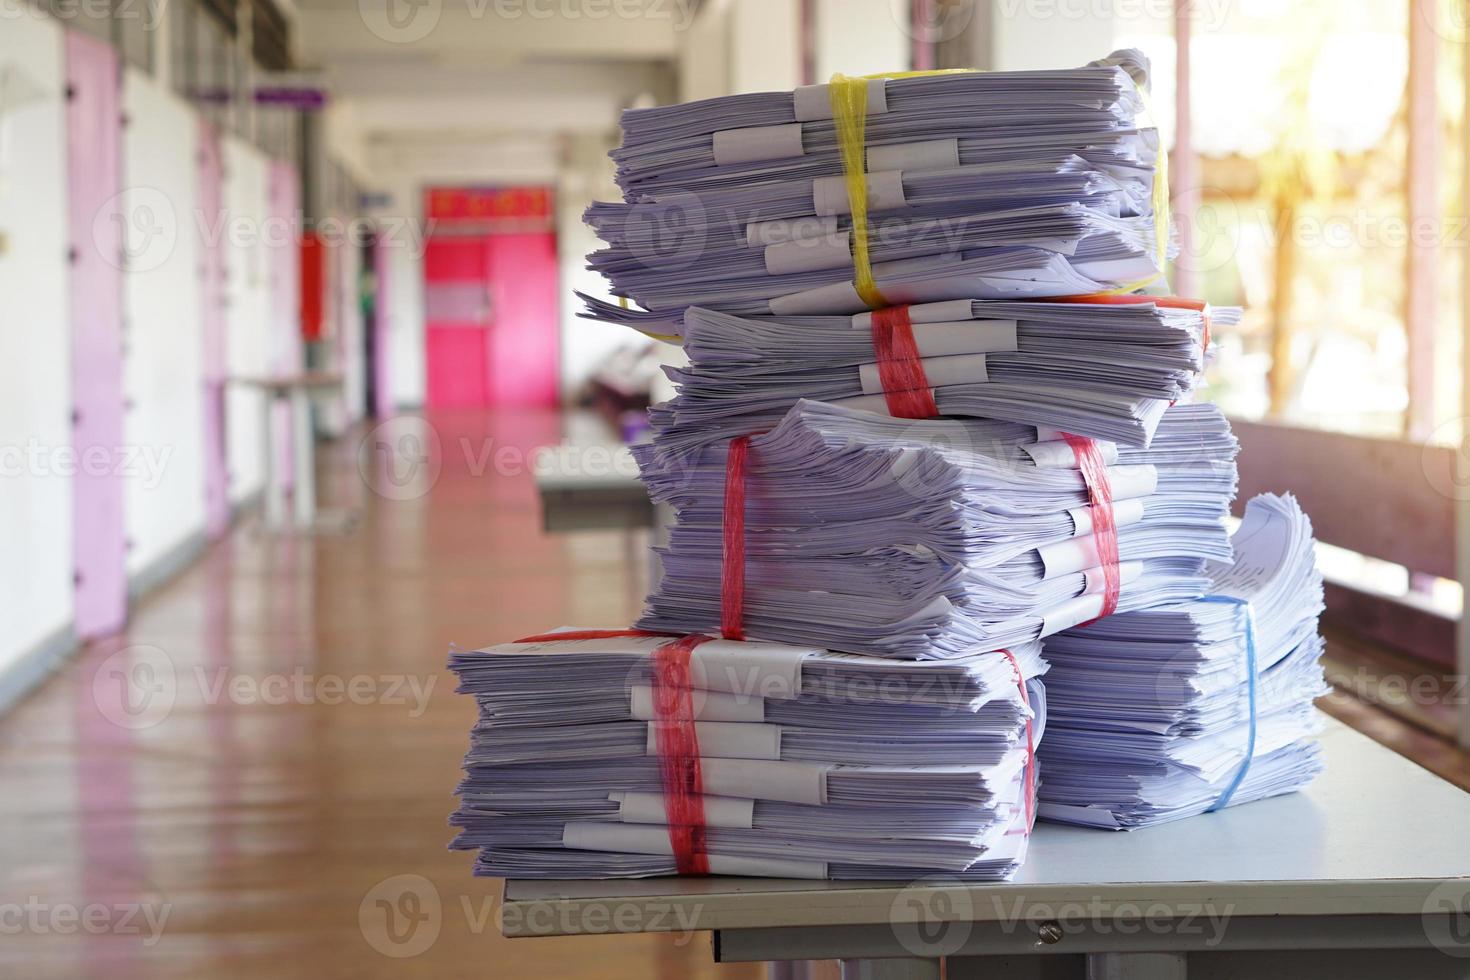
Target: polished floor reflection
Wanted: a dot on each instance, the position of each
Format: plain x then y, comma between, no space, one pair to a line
254,781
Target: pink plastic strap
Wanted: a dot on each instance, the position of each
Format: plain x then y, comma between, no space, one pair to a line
732,568
1030,793
1094,472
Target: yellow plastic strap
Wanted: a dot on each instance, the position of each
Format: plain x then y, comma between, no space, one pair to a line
849,97
849,113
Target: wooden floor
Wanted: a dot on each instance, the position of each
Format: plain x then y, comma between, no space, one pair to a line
254,781
254,765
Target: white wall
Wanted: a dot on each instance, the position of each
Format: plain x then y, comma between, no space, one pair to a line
859,37
248,345
35,341
1005,35
704,55
163,372
765,45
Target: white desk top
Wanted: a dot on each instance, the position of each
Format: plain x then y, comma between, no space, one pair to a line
1374,834
571,468
317,381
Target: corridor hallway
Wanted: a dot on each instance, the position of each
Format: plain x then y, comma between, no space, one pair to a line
255,779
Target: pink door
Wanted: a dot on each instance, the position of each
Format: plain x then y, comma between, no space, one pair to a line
212,321
94,151
457,311
525,328
493,331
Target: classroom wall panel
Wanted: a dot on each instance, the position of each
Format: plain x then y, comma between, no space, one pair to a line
95,222
35,341
212,330
247,312
164,360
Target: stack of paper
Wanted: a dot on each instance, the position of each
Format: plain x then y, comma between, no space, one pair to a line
921,539
978,185
1166,712
1101,369
813,764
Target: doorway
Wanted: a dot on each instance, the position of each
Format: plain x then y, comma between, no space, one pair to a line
492,315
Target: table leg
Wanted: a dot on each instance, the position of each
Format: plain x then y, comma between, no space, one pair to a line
303,447
894,969
1136,966
275,504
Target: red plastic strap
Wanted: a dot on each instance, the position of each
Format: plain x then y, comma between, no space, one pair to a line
677,741
1030,795
1104,528
1127,299
732,569
900,368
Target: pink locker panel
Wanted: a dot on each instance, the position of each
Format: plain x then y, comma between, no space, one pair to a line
94,152
212,323
525,327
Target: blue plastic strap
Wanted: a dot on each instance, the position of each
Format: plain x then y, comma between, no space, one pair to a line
1250,663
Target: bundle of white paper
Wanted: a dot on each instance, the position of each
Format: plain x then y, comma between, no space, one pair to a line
989,185
909,121
1150,710
1044,250
814,764
920,539
759,216
1103,370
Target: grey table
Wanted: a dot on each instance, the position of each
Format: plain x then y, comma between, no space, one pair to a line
297,391
577,495
1366,874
